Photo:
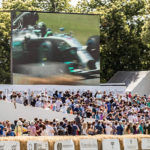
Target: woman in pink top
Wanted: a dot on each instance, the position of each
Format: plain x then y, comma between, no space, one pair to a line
32,129
45,104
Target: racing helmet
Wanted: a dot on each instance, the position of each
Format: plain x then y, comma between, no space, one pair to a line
42,27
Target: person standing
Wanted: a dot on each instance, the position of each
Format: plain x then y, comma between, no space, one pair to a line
32,129
10,132
75,128
119,129
141,130
1,95
58,104
69,128
98,128
14,100
49,129
25,99
19,129
30,100
147,127
1,129
108,129
78,122
43,130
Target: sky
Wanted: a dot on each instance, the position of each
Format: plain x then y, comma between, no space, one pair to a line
0,3
73,2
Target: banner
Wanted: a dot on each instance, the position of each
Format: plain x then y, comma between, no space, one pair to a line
88,144
9,145
130,144
110,144
64,145
145,143
37,145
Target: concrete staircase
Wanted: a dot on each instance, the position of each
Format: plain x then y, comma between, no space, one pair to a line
135,81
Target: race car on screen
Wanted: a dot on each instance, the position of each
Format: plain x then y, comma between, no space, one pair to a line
37,46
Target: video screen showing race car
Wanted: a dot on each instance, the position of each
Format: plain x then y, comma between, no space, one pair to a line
55,48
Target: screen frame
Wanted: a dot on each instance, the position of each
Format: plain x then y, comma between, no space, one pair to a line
50,12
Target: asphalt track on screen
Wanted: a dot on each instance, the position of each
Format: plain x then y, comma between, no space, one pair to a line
82,26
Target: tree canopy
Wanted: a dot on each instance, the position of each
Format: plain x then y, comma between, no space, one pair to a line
124,32
145,35
121,46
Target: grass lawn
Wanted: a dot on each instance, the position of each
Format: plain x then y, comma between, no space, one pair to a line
82,26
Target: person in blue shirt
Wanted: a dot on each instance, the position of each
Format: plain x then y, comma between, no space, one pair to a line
99,128
108,107
72,105
141,130
119,129
97,117
10,133
63,98
60,94
75,128
1,129
76,109
94,109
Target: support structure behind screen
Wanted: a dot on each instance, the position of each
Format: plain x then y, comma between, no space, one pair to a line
54,48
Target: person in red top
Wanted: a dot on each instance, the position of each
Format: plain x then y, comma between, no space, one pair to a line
38,129
130,96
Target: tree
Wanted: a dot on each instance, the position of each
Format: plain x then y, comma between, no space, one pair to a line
146,33
146,27
5,26
5,48
54,5
121,48
5,34
121,45
20,5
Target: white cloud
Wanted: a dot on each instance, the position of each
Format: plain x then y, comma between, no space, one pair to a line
0,3
74,2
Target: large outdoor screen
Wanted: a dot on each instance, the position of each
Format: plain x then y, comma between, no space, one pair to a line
54,48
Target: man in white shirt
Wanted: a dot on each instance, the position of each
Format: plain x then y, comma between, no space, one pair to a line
108,129
99,95
124,99
19,99
49,129
130,117
135,118
38,103
68,101
98,102
58,104
64,108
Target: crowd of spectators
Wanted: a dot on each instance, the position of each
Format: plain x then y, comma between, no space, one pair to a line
39,127
113,113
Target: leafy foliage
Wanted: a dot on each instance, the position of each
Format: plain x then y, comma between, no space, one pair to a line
5,34
124,33
4,48
121,45
121,23
20,5
54,5
145,35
